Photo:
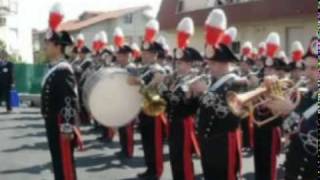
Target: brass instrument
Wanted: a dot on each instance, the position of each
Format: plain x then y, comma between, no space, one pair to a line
243,104
153,104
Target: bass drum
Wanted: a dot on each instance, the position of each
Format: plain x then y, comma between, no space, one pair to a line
110,99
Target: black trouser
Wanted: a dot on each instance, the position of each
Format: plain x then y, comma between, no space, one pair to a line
53,136
263,144
176,141
5,94
124,136
245,133
147,130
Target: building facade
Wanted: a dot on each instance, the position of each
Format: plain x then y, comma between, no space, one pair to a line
16,36
254,19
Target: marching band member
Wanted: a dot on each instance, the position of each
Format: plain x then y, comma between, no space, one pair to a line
59,101
267,138
150,127
99,47
246,71
80,66
100,55
296,65
301,156
136,53
126,133
6,79
182,135
218,128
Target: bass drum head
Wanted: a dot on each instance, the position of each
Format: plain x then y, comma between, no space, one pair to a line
111,100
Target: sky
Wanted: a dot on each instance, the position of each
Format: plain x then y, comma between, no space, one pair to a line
34,13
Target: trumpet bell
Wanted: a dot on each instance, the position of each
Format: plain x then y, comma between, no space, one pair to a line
236,103
153,103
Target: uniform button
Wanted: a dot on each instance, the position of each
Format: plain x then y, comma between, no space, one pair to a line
212,116
210,123
301,168
305,160
299,177
206,136
208,129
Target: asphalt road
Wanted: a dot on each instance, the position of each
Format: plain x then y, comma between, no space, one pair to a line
24,153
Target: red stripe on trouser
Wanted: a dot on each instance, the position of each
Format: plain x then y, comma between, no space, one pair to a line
234,145
158,145
275,150
129,129
194,138
66,158
65,148
164,121
187,147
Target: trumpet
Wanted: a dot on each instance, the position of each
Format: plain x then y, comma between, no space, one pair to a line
243,104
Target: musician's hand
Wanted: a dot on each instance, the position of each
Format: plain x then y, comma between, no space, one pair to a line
280,105
132,80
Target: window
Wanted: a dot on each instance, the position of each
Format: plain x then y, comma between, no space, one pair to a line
2,21
226,2
294,34
128,19
180,6
14,7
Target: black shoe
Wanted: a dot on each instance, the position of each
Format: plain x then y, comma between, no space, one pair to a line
147,176
121,154
144,174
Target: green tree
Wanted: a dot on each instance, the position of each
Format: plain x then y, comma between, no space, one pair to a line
40,57
15,58
2,45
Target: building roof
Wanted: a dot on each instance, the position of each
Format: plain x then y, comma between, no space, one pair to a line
252,11
92,18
